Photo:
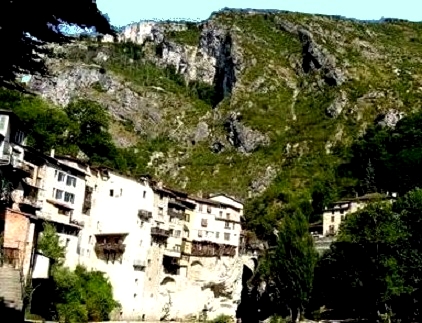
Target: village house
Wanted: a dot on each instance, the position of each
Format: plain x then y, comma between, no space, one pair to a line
215,227
18,225
334,215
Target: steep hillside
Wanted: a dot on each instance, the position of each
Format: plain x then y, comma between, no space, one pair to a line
245,98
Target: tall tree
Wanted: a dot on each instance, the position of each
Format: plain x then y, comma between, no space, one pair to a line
291,264
25,40
369,181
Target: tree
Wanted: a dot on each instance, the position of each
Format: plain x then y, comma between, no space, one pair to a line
89,124
25,40
366,263
291,264
49,244
369,181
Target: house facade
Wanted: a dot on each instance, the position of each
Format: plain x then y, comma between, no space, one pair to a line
334,215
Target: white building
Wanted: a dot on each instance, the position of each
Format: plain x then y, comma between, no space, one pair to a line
117,237
55,191
333,216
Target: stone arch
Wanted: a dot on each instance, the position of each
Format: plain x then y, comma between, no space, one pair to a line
196,263
167,280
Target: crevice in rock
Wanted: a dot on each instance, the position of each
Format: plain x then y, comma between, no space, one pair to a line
225,78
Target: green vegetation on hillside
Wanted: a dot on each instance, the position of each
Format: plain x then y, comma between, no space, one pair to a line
275,96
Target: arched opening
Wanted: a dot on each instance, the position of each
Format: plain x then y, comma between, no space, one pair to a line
196,263
167,280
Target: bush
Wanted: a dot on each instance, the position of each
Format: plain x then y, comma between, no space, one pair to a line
222,318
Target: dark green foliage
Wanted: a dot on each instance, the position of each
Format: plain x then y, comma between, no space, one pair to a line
394,155
72,296
291,265
22,54
376,261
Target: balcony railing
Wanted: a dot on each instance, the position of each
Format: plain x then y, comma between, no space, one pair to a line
110,246
176,214
160,232
144,215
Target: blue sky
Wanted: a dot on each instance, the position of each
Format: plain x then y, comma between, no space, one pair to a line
123,12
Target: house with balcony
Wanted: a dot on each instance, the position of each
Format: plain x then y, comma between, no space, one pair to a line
54,193
215,227
117,236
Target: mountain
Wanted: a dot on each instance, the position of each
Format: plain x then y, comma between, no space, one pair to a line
246,100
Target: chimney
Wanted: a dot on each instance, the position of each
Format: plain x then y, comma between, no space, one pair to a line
52,151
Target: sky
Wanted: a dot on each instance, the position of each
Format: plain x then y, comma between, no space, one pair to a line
123,12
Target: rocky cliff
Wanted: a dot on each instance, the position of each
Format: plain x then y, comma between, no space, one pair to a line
243,97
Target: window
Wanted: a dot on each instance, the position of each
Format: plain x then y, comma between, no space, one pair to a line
144,194
208,209
61,177
217,235
233,225
228,216
177,247
221,214
187,217
200,207
161,196
121,191
227,236
59,194
186,234
19,137
226,225
54,193
171,231
204,222
67,242
69,197
71,181
160,211
200,233
111,192
2,122
332,218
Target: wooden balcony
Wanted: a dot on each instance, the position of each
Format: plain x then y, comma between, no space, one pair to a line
110,247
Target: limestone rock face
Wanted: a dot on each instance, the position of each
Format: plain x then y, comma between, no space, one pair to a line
215,283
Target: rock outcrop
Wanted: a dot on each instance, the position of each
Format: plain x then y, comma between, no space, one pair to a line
244,138
314,57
